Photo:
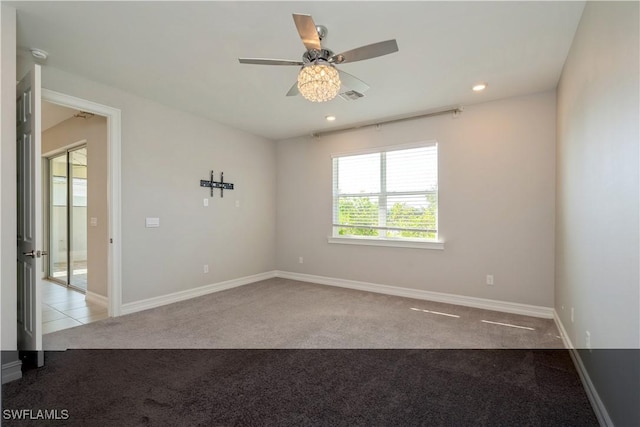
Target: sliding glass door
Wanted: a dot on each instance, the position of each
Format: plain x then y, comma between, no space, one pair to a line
68,218
58,242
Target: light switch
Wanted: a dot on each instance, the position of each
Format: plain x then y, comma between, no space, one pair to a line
152,222
205,202
93,221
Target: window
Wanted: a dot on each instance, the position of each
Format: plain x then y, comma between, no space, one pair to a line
386,196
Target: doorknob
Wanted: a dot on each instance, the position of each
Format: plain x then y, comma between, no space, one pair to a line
34,253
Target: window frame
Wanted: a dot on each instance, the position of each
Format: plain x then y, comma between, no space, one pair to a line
417,243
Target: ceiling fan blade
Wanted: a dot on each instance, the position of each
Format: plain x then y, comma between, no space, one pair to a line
266,61
294,90
352,82
366,52
307,30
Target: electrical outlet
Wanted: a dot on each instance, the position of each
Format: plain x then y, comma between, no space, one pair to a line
300,260
237,203
587,340
206,268
571,314
490,279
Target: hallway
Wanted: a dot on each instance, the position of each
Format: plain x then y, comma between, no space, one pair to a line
64,308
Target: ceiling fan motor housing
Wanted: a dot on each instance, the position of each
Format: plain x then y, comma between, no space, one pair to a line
313,56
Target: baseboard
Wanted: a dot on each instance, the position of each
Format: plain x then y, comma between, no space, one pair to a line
563,333
11,371
594,398
486,304
97,299
146,304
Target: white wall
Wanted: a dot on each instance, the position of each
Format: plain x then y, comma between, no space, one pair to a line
165,153
8,223
496,193
95,239
597,236
598,181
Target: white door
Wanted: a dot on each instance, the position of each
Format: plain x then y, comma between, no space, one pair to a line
29,205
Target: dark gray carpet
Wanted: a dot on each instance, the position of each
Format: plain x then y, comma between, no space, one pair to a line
305,387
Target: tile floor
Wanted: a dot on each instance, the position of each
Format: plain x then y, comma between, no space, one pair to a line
64,308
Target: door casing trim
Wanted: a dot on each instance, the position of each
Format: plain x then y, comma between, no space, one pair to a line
114,139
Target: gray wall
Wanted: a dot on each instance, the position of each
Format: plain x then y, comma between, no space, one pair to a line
597,235
165,153
94,131
496,203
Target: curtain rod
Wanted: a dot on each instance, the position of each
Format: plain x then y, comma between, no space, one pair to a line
456,111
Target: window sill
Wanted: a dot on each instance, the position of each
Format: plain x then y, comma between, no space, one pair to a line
386,242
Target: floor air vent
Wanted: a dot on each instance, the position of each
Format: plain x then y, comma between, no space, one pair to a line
351,95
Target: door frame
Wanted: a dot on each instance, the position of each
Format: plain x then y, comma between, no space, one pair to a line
114,135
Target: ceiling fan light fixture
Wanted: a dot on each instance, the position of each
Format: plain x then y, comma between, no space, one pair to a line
318,82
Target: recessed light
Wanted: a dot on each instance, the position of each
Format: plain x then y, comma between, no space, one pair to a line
330,118
479,87
39,54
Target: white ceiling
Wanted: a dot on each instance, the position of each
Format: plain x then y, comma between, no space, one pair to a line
185,54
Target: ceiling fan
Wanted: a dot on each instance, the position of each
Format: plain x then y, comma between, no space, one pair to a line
319,80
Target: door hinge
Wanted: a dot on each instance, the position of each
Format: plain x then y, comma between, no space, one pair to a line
111,240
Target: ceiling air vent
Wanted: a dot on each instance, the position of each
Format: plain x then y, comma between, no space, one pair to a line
351,95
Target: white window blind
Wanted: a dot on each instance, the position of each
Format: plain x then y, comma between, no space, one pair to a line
390,194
